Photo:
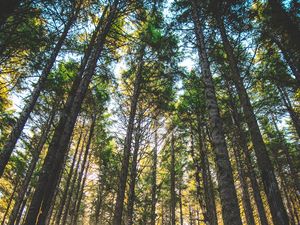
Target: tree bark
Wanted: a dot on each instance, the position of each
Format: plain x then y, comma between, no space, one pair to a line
36,153
207,182
21,121
72,186
289,160
10,201
117,220
288,105
69,178
80,196
242,142
83,166
278,211
245,189
54,160
229,201
197,178
281,23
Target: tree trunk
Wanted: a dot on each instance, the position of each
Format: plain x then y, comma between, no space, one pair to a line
67,185
70,191
117,220
20,123
54,160
267,172
173,178
10,201
287,57
197,178
154,169
288,105
242,142
245,189
230,206
133,175
289,160
281,23
83,165
80,196
36,153
283,182
207,182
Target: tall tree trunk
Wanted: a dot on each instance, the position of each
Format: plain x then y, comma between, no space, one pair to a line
278,211
282,180
21,121
197,178
49,176
83,166
207,182
36,153
288,105
172,181
10,200
245,189
69,178
117,220
154,169
80,196
229,201
281,23
133,175
289,160
287,57
70,191
242,142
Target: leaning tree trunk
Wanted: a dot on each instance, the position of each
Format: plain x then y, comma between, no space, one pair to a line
287,57
242,142
83,165
288,105
36,154
70,190
49,176
278,211
21,121
172,181
117,220
69,179
244,185
281,23
154,169
289,160
80,196
10,200
229,201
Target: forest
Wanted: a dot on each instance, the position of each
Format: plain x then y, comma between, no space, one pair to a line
139,112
